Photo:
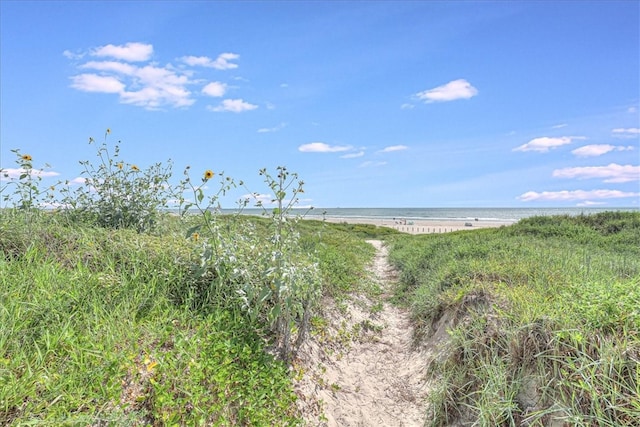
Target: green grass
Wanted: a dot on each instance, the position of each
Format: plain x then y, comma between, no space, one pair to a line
104,327
543,319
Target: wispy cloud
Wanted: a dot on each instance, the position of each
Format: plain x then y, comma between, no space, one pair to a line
588,203
233,106
626,132
566,195
599,149
257,198
456,89
273,129
371,163
222,62
610,173
559,126
352,155
545,143
321,147
150,85
392,148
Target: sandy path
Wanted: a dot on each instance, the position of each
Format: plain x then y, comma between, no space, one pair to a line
363,371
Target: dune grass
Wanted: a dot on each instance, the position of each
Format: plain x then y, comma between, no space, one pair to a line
101,327
543,319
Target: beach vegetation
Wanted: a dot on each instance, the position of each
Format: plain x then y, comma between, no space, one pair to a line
115,312
116,194
539,321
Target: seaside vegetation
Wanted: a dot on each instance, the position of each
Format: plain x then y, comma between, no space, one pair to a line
537,323
115,312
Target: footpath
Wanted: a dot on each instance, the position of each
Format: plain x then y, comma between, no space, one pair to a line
361,369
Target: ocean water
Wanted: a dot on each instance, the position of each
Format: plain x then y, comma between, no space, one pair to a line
484,214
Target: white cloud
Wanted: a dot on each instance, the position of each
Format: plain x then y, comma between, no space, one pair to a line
352,155
565,195
610,173
273,129
393,148
79,181
560,126
407,106
371,163
115,66
544,144
215,89
599,149
321,147
456,89
15,173
132,52
626,133
150,85
97,83
220,63
233,105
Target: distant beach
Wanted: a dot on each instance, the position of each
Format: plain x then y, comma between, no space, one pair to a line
421,226
432,220
442,220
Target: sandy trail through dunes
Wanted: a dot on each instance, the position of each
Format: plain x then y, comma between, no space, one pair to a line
363,371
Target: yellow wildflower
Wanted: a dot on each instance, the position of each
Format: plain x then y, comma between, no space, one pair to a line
134,168
26,158
108,130
208,174
195,236
120,165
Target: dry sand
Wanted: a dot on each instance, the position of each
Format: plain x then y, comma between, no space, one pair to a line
421,226
361,369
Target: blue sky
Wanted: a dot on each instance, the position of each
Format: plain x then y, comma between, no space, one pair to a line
373,104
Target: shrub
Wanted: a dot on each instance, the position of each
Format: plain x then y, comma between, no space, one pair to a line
117,194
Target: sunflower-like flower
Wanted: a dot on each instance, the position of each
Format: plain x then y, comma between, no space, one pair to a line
120,165
134,168
27,158
195,237
208,174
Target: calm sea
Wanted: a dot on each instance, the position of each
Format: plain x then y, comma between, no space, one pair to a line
484,214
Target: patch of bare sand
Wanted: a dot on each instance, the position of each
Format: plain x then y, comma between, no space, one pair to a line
361,368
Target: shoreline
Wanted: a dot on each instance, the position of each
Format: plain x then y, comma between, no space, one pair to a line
422,226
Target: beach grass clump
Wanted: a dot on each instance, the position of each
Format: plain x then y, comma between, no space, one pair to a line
542,319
